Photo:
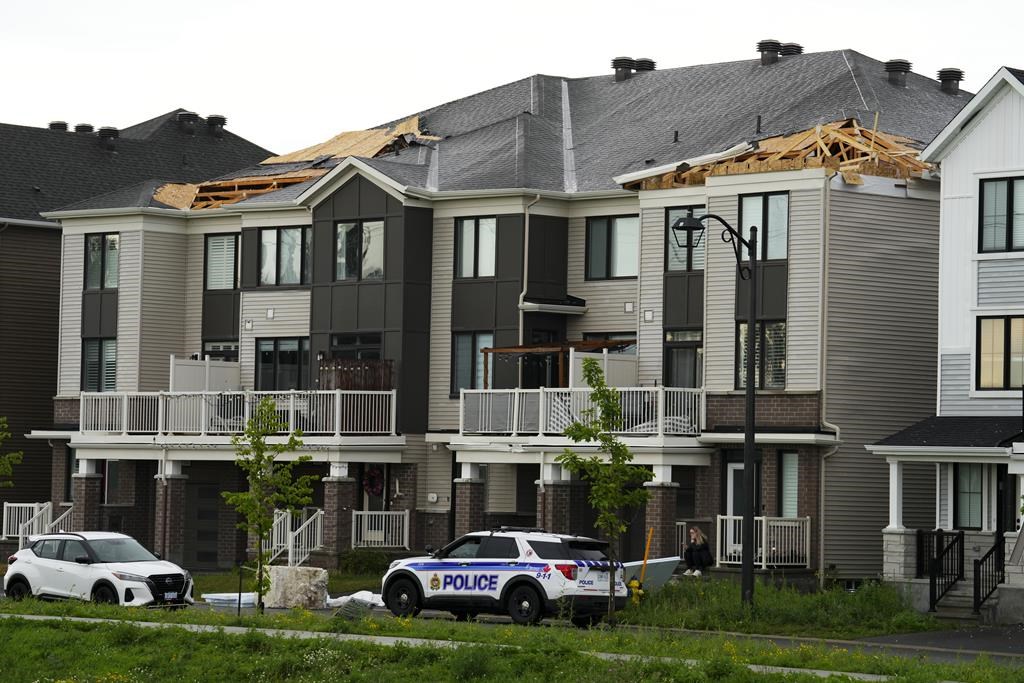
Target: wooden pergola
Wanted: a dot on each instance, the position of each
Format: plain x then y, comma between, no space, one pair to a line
562,348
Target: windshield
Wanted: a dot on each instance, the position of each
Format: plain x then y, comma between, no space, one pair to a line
120,550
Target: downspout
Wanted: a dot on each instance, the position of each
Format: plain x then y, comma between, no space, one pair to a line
163,481
526,276
825,424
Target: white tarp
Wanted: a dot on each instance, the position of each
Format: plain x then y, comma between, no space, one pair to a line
659,571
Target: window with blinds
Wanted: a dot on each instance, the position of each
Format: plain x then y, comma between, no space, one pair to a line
770,365
788,494
221,261
99,365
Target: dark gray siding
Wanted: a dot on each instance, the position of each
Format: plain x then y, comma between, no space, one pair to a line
880,369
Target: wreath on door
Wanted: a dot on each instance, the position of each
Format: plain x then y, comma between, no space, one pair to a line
373,481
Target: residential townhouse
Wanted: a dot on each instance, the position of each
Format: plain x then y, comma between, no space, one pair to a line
42,169
418,299
961,555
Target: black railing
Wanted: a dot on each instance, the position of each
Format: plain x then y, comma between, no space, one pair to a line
947,567
989,572
929,544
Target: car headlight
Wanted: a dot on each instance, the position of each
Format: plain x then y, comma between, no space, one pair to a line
188,577
125,576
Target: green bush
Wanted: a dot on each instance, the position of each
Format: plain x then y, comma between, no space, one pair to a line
364,561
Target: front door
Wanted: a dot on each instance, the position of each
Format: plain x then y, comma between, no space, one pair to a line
734,508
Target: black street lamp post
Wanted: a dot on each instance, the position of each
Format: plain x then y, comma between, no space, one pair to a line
731,236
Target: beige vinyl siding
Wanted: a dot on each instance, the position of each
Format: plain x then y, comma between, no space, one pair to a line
163,307
444,411
803,315
416,452
605,299
129,310
957,377
435,476
291,319
652,276
880,366
720,303
1001,283
69,362
501,487
194,257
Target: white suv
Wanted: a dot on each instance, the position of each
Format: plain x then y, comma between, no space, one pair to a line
525,573
98,566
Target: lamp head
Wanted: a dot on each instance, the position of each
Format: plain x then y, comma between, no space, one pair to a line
685,224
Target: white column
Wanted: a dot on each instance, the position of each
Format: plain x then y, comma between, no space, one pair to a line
470,470
662,474
895,495
88,466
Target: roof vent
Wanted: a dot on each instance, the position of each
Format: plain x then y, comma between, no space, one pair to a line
897,70
187,121
645,64
83,128
58,125
623,68
216,123
107,136
950,80
791,49
769,50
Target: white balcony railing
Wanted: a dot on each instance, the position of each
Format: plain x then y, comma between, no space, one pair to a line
778,541
294,537
645,410
388,529
211,413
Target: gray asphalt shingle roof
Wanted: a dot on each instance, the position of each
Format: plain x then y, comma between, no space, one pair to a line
979,432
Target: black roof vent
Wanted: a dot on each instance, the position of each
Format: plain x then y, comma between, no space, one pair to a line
83,128
790,49
769,50
187,121
107,136
950,80
58,125
623,67
216,123
645,64
897,70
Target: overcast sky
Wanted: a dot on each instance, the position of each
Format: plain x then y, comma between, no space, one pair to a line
289,74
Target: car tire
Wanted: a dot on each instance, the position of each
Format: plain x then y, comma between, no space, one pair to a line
18,589
104,594
524,605
402,598
464,615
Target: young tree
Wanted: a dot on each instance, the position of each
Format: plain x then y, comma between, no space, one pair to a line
7,460
615,484
271,483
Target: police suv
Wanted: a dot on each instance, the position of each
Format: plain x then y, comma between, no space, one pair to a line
525,573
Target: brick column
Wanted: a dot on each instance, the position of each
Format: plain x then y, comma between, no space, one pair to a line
554,506
87,492
169,528
341,496
469,505
661,515
404,498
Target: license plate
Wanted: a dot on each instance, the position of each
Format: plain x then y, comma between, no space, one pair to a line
171,596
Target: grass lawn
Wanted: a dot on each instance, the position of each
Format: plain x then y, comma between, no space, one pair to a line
338,583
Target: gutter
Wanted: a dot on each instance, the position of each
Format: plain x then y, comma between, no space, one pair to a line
534,307
683,164
22,222
823,336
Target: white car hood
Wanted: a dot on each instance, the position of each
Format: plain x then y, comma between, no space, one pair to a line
142,568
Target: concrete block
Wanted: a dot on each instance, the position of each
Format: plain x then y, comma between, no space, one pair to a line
297,587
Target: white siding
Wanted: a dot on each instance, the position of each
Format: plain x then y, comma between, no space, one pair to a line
956,376
803,316
163,307
501,487
720,303
129,310
69,362
606,299
1001,283
444,411
291,319
652,286
194,293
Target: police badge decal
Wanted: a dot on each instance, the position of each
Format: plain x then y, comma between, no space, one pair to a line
435,582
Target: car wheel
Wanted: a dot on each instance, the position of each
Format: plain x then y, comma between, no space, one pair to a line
403,599
586,622
104,594
463,615
18,589
524,605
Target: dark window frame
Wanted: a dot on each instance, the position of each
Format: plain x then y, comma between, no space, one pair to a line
82,369
234,267
305,256
608,248
454,390
303,372
667,345
956,496
476,249
103,261
1007,355
221,355
759,365
1008,246
363,343
692,238
334,249
765,227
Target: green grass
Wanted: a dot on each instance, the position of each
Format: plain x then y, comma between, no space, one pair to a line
338,583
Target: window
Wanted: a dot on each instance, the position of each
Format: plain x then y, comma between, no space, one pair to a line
684,358
221,350
770,365
364,346
788,487
770,213
614,336
689,256
99,365
282,364
1000,353
359,251
968,495
111,481
72,550
466,548
1001,220
221,261
468,364
475,245
101,260
613,247
502,548
47,549
285,257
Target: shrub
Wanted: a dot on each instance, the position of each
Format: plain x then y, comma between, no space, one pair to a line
364,561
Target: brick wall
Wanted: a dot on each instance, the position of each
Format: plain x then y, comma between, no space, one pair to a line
726,412
470,506
431,529
58,473
403,497
169,527
554,507
86,489
660,513
341,496
65,412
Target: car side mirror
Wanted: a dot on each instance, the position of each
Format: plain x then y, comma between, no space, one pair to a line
157,556
83,559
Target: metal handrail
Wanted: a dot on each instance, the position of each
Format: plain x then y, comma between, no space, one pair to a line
56,525
945,569
307,538
36,524
989,572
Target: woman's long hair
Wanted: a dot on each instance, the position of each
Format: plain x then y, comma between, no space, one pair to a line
701,538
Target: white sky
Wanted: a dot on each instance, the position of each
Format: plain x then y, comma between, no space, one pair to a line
290,74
